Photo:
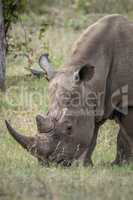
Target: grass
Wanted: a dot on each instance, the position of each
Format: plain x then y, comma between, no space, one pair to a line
20,175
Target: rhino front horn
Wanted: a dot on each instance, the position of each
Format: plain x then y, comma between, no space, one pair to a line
27,143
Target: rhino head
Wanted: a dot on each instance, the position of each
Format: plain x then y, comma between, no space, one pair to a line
66,133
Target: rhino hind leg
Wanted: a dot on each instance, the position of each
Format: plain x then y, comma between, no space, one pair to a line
123,150
125,140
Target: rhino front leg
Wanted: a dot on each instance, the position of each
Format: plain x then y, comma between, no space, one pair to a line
125,140
86,157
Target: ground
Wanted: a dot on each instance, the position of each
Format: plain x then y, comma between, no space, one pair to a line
20,175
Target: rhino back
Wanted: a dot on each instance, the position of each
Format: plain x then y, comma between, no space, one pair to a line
107,45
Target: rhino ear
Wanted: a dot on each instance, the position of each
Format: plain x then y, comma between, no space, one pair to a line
85,73
46,66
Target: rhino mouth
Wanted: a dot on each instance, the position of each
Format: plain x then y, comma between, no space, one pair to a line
55,160
59,157
65,163
49,161
62,162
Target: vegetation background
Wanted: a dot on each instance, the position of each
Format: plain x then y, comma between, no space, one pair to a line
52,26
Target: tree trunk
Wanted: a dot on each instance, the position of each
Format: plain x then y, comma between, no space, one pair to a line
2,49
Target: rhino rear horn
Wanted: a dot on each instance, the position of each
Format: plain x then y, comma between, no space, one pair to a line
27,143
46,66
44,124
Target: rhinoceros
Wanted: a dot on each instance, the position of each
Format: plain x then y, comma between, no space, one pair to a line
95,84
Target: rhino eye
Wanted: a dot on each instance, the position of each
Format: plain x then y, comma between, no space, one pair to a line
69,129
56,136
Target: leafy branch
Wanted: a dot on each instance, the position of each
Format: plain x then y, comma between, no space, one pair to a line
12,10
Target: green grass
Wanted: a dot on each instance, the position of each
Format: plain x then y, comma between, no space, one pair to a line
20,175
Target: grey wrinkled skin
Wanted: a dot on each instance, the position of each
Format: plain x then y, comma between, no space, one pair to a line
101,63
